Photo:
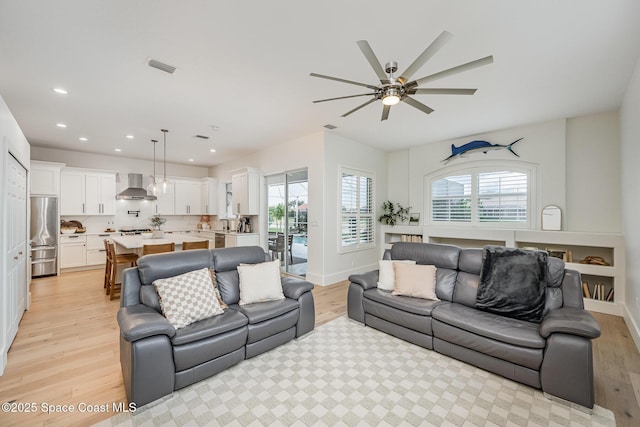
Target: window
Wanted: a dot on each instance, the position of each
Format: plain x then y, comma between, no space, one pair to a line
357,224
482,196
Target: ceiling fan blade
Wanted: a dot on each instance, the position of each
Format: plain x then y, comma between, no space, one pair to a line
359,107
455,70
373,61
419,105
431,50
385,112
345,97
438,91
343,80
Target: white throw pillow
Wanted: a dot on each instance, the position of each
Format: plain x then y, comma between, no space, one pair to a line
417,281
260,282
386,276
187,298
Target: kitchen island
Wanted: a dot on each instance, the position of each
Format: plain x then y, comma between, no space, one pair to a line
136,242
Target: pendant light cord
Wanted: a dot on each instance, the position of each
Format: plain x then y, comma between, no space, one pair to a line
164,182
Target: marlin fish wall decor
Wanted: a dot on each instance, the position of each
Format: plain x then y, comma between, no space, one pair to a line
478,145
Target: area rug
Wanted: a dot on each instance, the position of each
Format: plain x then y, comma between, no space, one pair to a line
345,374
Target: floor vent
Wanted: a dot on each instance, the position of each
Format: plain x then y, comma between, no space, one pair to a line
330,127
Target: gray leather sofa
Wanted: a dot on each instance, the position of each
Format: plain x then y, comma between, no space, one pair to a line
157,359
554,355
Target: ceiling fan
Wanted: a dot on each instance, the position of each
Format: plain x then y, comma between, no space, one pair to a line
392,90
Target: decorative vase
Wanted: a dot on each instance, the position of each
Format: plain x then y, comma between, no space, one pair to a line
157,234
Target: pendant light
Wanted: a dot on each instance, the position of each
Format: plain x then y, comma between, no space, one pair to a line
154,188
164,182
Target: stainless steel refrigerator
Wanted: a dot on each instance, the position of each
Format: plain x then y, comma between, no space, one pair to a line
44,236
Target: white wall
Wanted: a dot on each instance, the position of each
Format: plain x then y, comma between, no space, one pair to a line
543,144
320,153
12,143
306,152
630,180
593,181
340,151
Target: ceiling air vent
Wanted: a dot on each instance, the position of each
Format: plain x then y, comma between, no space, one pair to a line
162,66
202,136
330,127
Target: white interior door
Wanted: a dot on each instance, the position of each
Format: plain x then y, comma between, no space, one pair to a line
16,235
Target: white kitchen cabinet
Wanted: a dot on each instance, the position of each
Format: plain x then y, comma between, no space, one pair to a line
245,188
210,196
45,178
100,193
73,251
165,203
96,252
84,192
188,197
72,193
233,240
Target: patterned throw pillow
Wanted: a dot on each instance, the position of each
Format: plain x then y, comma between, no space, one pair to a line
187,298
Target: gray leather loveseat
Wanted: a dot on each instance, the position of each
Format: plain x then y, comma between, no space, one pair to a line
157,359
554,355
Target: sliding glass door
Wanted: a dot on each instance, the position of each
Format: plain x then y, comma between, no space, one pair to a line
288,206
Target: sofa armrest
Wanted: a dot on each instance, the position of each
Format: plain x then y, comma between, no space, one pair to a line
571,321
367,280
294,288
139,321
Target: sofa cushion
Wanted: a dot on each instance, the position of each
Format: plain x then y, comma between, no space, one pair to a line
513,282
417,281
161,266
511,331
212,326
257,313
387,275
260,282
188,297
225,264
418,306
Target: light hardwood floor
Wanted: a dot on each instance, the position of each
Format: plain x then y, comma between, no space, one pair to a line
66,353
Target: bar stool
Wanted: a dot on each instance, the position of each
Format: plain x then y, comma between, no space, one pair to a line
158,249
111,268
204,244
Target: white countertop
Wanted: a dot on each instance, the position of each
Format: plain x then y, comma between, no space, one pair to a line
137,241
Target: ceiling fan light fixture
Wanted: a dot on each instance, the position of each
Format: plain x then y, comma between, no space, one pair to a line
391,96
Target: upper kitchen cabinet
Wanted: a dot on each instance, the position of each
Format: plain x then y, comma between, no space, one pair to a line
246,197
210,196
165,204
188,196
86,192
45,178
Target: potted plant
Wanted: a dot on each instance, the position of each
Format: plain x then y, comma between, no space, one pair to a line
156,223
392,213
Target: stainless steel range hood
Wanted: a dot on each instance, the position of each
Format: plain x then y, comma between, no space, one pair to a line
135,190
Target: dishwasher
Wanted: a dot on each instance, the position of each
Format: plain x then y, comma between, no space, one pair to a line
220,240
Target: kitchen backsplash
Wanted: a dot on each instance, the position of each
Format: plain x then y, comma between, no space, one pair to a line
122,218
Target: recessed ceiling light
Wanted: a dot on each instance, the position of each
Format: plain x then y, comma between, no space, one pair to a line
214,127
60,90
129,136
61,125
213,150
191,160
118,150
83,139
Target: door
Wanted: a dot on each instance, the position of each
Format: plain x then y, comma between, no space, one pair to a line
16,274
288,206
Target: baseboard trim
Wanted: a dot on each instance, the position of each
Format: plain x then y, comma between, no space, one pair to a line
330,279
633,327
